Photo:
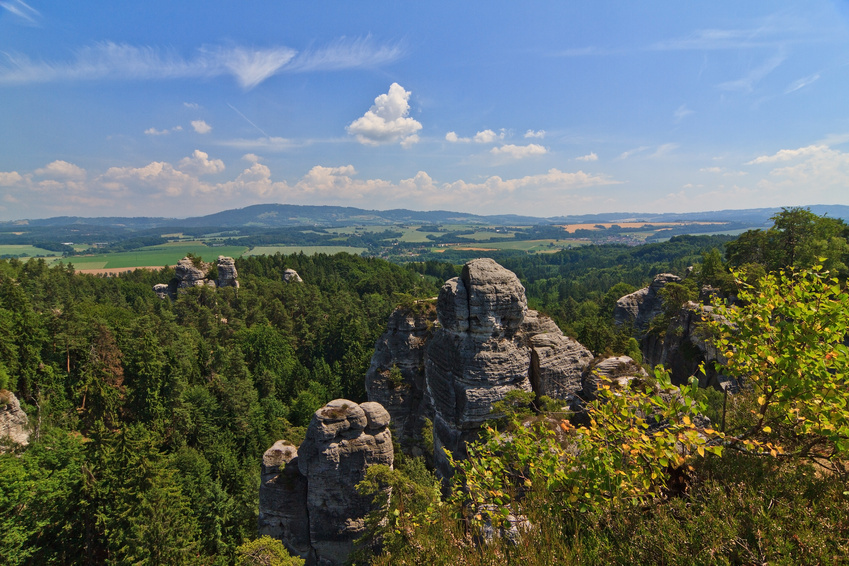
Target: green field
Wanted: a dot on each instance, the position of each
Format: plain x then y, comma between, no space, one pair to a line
486,235
154,256
308,250
26,251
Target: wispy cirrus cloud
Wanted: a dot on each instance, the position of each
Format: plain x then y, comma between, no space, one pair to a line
802,83
22,10
747,82
249,66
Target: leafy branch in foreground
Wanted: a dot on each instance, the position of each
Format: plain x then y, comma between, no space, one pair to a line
636,433
787,345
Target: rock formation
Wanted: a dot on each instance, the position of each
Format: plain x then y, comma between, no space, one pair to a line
489,344
187,274
226,272
396,376
291,276
13,420
618,369
308,497
640,307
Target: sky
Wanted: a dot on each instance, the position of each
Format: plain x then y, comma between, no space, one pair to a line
542,108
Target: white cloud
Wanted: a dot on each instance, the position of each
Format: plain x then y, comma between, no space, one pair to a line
9,178
664,149
519,151
160,188
251,158
387,120
635,151
801,83
192,105
711,170
155,132
62,170
249,66
789,154
22,10
589,157
273,144
453,138
747,82
200,164
681,112
488,136
201,127
539,134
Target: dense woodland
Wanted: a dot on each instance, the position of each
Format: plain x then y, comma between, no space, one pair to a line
150,417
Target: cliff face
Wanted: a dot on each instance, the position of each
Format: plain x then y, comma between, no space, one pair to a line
489,344
308,496
640,307
396,376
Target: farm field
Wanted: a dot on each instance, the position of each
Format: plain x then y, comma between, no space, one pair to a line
531,246
23,250
166,254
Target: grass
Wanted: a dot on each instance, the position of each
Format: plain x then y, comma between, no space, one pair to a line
534,246
166,254
23,250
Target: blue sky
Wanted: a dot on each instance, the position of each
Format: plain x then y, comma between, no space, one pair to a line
542,108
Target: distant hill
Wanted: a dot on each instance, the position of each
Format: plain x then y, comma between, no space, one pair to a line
290,215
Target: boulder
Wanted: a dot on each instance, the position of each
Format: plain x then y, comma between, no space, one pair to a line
14,425
618,369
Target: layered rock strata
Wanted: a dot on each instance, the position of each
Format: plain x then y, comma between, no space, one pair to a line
489,344
308,496
187,275
396,376
227,274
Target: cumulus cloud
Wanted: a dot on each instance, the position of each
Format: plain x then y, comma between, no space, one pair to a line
387,121
488,136
251,158
249,66
201,127
539,134
789,154
9,178
155,132
453,138
200,164
589,157
62,170
519,151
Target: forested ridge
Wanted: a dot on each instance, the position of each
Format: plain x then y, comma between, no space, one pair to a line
149,417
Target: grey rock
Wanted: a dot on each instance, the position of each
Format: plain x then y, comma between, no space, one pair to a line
641,306
400,353
14,424
189,275
283,499
227,274
291,276
619,370
558,364
163,291
343,440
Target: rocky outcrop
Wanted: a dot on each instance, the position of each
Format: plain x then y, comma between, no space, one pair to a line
283,499
619,370
396,376
291,276
227,273
640,307
685,346
489,344
14,425
308,496
190,273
